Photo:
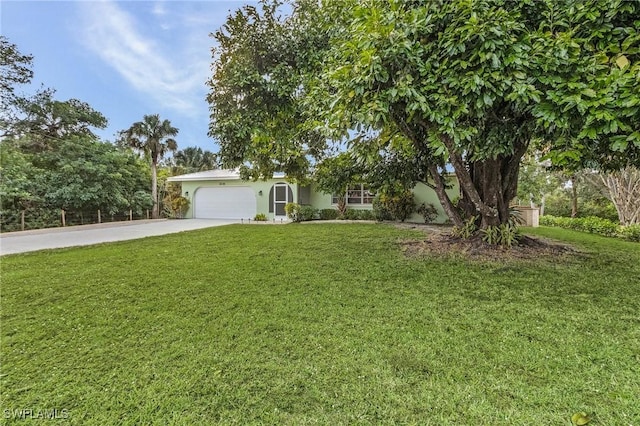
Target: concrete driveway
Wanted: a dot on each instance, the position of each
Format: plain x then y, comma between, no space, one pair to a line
40,239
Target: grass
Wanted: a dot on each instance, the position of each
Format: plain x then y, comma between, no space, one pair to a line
320,324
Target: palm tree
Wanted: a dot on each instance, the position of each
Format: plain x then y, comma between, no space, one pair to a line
154,138
194,159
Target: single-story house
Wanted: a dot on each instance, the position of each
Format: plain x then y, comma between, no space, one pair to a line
222,194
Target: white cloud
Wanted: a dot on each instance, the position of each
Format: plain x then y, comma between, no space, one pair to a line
169,73
159,9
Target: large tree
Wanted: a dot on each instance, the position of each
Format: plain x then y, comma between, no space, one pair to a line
153,137
475,82
43,120
468,83
15,69
260,66
50,157
39,116
83,173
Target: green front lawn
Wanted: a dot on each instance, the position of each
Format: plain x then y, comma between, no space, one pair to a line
320,324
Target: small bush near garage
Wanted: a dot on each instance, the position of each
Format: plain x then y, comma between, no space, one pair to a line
380,211
260,217
179,206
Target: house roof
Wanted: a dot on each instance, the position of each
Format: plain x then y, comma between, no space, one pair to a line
218,174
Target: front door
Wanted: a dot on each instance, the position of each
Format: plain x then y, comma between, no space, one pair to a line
280,199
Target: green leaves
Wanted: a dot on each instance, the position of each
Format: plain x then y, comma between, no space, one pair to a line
580,419
622,61
43,118
261,77
78,173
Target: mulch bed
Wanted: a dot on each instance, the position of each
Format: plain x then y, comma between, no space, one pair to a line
440,243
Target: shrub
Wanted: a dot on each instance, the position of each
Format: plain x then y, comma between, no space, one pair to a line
466,230
630,232
380,211
350,214
298,213
307,213
397,206
505,235
594,225
328,214
366,215
428,211
179,207
293,211
597,225
260,217
357,214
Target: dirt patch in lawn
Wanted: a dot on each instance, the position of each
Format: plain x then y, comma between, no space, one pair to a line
439,242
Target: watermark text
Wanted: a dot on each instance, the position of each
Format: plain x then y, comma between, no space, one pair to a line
36,413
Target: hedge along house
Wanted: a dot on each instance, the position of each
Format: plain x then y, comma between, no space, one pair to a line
222,194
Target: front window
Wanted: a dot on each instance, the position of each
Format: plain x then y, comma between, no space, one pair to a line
356,194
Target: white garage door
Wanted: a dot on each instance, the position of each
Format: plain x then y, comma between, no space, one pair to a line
237,202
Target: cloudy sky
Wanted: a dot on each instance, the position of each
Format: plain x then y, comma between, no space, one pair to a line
125,58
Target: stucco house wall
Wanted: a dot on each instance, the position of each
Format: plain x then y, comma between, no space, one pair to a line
261,189
306,195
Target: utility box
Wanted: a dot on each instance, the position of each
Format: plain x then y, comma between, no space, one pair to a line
530,215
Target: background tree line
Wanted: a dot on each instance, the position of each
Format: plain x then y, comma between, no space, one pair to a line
51,159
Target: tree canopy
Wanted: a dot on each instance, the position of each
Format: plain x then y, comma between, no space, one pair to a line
194,159
43,119
15,69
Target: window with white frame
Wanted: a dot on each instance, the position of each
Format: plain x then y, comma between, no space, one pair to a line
356,194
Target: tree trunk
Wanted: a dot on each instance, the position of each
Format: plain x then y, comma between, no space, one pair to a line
443,197
623,189
489,185
154,189
574,197
417,135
